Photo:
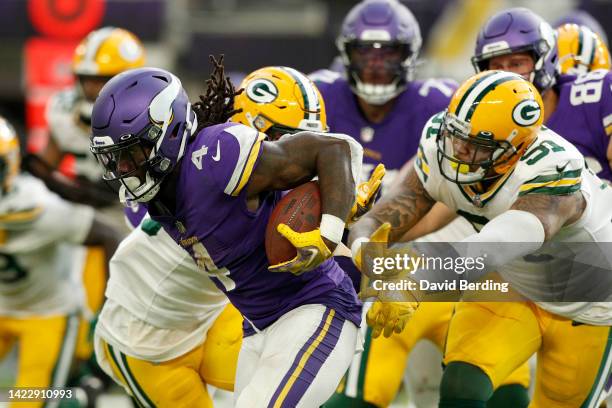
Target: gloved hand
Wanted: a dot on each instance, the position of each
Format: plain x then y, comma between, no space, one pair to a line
380,236
391,310
311,251
366,194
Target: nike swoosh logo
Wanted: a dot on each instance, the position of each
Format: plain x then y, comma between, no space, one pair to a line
560,169
217,155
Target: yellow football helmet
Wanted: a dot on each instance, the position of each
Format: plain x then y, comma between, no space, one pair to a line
279,100
10,156
580,50
491,120
108,51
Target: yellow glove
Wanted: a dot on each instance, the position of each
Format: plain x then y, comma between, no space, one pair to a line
392,308
311,251
381,235
366,194
388,317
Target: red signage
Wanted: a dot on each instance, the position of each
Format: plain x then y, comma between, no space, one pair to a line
47,69
68,19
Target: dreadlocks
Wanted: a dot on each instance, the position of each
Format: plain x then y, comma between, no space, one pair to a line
217,104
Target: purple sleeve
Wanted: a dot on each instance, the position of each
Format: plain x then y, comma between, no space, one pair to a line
439,93
229,156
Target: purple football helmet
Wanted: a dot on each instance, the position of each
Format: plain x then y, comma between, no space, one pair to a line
379,36
140,125
519,30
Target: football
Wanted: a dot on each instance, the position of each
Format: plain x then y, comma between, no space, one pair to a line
301,210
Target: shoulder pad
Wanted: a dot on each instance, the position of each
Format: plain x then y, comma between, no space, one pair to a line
325,76
228,153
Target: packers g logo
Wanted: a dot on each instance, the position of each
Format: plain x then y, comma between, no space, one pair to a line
262,91
526,113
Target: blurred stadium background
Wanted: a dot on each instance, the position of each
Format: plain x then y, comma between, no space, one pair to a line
38,38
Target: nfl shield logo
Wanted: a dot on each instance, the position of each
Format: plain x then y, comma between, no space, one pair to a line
367,134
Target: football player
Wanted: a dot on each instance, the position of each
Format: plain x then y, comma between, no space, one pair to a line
41,302
65,164
578,108
489,157
580,50
583,18
278,101
527,47
212,184
188,335
380,104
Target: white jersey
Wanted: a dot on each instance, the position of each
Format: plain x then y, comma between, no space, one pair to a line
70,135
38,231
551,165
160,305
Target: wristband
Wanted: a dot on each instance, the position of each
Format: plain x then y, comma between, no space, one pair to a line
357,245
332,228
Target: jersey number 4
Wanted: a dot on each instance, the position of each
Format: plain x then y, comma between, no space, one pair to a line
206,263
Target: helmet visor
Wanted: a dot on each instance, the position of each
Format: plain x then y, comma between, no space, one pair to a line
130,157
377,62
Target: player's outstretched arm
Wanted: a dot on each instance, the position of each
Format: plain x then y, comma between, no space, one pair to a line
532,220
553,211
437,218
105,235
402,207
82,191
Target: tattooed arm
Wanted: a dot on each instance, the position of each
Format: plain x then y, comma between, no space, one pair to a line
403,207
437,218
553,211
532,220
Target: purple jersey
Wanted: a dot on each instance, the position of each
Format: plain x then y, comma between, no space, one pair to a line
226,239
134,213
395,140
584,117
